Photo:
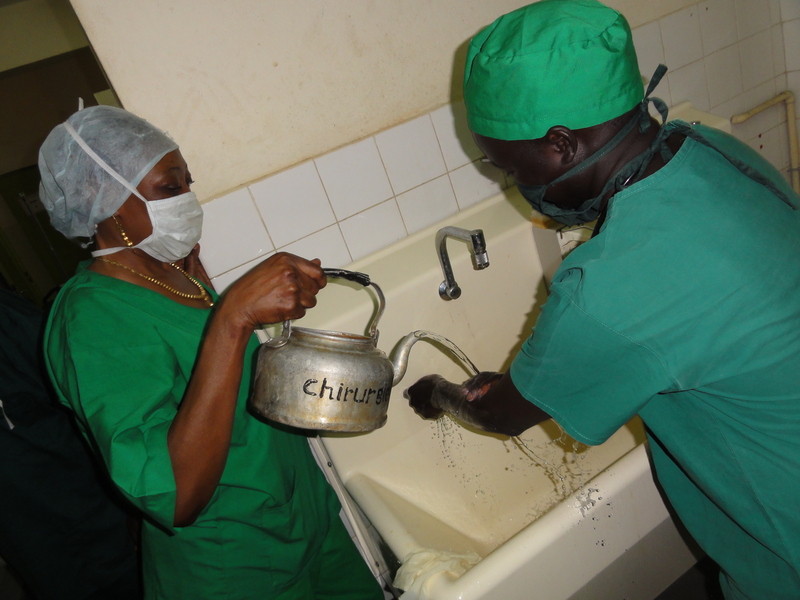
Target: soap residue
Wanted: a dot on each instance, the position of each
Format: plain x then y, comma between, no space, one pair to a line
420,566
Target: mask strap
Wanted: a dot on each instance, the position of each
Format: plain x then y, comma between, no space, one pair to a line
632,171
608,147
642,118
658,103
82,143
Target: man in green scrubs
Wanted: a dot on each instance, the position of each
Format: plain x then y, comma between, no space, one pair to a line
684,308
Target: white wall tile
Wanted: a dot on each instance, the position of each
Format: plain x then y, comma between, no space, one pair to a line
688,84
793,84
327,245
745,101
373,229
756,57
790,9
774,146
223,281
354,178
663,91
759,123
717,24
649,49
455,138
724,74
475,182
411,154
775,11
293,203
791,40
752,16
233,233
427,203
778,49
780,82
680,33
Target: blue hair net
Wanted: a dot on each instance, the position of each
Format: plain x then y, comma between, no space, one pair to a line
76,190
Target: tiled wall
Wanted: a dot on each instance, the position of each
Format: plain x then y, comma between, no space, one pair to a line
790,15
725,56
355,200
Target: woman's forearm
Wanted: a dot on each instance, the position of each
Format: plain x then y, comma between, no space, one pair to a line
282,287
200,435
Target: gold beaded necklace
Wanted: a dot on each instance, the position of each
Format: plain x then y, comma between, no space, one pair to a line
203,295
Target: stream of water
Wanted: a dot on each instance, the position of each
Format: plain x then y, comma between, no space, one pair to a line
567,474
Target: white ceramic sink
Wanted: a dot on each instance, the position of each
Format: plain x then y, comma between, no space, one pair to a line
555,520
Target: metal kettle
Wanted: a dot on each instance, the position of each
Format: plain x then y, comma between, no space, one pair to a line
329,380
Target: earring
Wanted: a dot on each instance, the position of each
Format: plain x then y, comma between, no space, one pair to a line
122,232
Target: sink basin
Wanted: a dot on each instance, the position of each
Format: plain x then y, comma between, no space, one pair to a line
546,516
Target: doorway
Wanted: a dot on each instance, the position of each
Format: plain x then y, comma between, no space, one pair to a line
39,90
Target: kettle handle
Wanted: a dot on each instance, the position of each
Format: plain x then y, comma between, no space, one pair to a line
355,276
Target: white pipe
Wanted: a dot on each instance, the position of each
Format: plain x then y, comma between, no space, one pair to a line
791,123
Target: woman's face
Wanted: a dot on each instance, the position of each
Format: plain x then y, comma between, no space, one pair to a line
170,177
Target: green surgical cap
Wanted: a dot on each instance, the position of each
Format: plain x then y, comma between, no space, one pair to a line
554,62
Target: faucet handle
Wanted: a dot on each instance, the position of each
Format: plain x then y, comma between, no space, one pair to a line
448,289
449,292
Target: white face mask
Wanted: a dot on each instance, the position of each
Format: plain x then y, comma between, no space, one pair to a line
177,222
177,227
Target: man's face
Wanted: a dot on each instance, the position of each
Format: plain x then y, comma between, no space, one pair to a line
540,162
525,160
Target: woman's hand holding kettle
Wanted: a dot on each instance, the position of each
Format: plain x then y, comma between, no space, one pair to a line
280,288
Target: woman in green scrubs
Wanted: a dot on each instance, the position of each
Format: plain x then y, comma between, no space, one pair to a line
157,369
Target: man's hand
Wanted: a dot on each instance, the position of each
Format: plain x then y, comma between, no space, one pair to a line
478,386
433,395
420,396
488,401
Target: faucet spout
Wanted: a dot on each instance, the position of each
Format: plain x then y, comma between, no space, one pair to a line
449,289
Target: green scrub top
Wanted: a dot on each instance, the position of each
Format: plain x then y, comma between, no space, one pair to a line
685,309
121,356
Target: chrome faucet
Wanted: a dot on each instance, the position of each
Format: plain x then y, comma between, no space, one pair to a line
449,289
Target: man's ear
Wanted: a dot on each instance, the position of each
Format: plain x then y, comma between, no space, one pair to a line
562,142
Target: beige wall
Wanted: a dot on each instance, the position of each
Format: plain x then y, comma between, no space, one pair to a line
249,87
639,12
37,29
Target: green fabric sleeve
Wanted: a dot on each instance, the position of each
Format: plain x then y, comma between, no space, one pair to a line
588,377
125,389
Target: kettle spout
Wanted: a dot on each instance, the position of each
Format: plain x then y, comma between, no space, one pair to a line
400,360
